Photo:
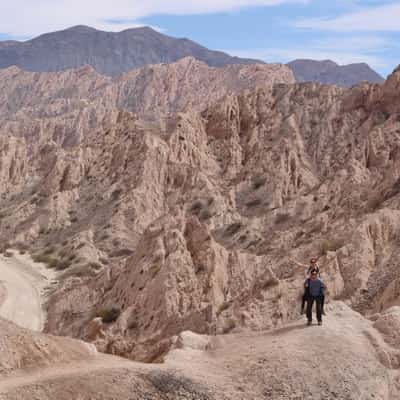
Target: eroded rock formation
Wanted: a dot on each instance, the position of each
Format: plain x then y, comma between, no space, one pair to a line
180,210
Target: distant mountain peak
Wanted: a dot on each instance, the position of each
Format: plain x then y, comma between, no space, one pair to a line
109,53
81,28
329,72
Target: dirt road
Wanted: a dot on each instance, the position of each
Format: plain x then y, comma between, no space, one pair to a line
21,285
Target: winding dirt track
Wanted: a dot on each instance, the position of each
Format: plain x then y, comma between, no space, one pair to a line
20,299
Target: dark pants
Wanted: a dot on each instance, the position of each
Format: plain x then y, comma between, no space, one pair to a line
304,300
310,302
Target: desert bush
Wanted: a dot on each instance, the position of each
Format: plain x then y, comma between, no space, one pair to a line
331,245
51,262
253,203
94,265
229,325
375,201
108,315
258,182
8,253
205,215
281,218
224,306
133,325
196,207
154,270
78,271
116,194
121,253
105,236
42,258
49,250
233,228
59,265
72,257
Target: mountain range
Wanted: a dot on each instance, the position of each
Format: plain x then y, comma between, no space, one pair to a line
110,53
331,73
113,53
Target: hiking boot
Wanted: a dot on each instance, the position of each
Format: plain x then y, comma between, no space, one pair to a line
319,322
309,323
302,311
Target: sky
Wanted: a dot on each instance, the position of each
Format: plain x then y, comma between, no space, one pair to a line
346,31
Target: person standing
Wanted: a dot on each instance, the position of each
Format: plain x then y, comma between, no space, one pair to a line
314,288
308,268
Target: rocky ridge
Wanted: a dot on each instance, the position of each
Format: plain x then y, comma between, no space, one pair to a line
329,72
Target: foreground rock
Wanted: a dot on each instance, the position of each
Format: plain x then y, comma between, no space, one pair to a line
344,359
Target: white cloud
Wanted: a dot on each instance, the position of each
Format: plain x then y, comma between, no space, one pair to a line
26,18
382,18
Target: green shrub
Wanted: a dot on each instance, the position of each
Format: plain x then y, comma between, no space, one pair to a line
59,265
108,315
49,250
42,258
229,325
331,245
51,262
224,306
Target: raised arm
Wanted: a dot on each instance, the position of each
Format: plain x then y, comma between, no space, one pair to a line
297,263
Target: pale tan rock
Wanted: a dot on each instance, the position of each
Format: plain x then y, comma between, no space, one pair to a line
194,185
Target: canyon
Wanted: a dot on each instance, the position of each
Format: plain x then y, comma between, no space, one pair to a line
170,201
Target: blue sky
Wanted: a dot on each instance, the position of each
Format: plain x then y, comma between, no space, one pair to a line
345,31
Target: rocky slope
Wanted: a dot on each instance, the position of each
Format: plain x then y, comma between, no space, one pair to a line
108,53
163,218
329,72
349,358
